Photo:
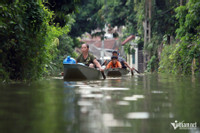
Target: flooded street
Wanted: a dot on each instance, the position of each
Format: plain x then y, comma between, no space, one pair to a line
138,104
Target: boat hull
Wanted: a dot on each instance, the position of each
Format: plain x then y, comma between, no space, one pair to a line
80,72
116,72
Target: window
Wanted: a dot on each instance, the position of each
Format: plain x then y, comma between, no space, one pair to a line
133,57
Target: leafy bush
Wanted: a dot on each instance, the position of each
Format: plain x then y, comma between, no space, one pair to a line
23,29
29,45
184,57
152,64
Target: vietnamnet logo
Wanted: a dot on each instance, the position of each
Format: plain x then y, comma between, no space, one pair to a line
183,125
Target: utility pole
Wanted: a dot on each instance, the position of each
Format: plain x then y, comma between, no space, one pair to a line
147,30
102,48
103,37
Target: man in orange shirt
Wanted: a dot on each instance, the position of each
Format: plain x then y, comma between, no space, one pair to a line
114,63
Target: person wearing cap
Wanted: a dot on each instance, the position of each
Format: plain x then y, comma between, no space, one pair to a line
87,58
122,61
114,63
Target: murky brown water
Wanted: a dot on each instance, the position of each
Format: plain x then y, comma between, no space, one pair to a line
139,104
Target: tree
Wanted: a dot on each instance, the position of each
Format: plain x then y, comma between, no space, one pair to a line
184,57
62,8
89,17
28,42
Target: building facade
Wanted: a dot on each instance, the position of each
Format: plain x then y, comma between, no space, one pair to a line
135,55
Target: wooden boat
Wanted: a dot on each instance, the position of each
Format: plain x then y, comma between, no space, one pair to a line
116,72
80,72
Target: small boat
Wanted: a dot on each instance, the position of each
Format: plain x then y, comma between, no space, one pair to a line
80,72
116,72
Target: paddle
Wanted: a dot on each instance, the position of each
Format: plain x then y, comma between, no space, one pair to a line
132,72
136,71
102,72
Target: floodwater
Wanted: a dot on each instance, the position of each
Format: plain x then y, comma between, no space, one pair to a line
139,104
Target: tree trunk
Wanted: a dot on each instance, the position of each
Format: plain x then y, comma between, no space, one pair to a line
193,66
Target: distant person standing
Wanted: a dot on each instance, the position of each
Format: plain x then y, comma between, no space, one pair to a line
87,58
122,61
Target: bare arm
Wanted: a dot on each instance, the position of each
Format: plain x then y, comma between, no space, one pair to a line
127,64
119,64
97,64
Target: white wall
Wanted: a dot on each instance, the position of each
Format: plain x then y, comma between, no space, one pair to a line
130,57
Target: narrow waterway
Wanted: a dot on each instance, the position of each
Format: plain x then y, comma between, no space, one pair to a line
138,104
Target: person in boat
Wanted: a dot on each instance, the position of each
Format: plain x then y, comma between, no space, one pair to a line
122,61
114,63
87,58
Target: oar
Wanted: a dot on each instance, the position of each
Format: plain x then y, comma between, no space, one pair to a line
102,72
136,71
132,73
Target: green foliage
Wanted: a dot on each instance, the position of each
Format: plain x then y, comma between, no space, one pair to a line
62,9
127,48
140,15
52,43
163,19
168,58
35,37
29,45
122,13
23,29
178,59
117,12
188,17
168,19
152,64
153,45
93,15
89,17
188,49
65,48
163,24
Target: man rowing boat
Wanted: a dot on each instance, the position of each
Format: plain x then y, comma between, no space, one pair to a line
87,58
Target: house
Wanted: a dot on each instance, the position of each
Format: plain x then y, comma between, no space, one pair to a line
135,55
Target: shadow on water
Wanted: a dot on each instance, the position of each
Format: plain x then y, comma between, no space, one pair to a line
142,103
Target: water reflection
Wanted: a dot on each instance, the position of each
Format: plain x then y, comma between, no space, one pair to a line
114,88
70,106
143,103
123,103
138,115
133,98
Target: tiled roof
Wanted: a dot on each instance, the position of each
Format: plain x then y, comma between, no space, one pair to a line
128,39
95,46
108,43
